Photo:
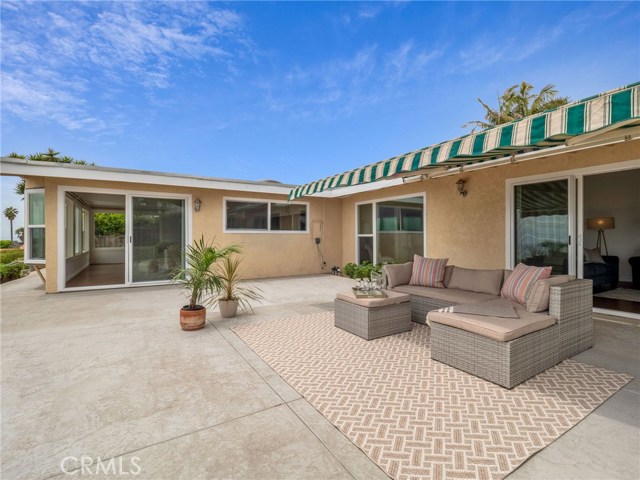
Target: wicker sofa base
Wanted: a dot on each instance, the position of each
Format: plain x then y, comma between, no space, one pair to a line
372,322
504,363
510,363
421,306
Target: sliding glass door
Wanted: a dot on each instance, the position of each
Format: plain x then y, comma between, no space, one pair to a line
157,239
543,224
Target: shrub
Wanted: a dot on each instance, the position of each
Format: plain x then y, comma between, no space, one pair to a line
363,270
8,256
350,270
5,243
11,271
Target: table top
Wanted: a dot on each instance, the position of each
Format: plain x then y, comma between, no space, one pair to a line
392,298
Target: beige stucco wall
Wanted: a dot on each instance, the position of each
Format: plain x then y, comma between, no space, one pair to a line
265,254
470,230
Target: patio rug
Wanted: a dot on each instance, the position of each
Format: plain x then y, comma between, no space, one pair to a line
417,418
621,294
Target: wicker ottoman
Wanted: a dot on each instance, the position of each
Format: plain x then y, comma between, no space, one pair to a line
375,317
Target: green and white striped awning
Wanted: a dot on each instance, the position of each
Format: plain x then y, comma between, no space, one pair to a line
543,130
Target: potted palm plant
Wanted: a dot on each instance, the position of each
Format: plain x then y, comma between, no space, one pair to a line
232,293
200,280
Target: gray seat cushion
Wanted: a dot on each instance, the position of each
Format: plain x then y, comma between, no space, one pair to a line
496,328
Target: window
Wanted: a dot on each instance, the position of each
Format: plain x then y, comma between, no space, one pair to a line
68,227
109,230
541,224
85,230
258,215
34,236
390,231
77,230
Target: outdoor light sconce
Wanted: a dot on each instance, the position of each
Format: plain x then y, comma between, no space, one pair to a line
460,184
197,204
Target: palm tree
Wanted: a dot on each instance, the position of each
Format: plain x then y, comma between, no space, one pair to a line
20,186
20,234
11,213
519,101
50,156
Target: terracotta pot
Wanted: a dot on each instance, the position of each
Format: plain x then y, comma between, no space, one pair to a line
192,319
228,308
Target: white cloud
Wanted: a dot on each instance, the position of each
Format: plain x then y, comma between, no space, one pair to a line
59,56
344,85
489,50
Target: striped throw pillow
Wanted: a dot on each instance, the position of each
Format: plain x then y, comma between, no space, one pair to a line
428,272
521,280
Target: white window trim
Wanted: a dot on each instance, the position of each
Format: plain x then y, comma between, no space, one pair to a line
28,226
374,203
268,230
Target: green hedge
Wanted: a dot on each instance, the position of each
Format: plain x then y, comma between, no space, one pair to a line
8,256
5,243
11,271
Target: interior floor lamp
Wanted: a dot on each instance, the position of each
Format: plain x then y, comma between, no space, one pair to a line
601,224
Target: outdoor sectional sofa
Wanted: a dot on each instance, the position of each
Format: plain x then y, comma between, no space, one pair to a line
505,351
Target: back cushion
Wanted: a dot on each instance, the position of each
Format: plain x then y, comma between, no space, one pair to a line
538,300
521,281
398,274
428,272
448,270
481,281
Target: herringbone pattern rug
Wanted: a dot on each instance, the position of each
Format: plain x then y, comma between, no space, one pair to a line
417,418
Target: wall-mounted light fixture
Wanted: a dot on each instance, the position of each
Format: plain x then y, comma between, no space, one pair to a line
197,204
461,190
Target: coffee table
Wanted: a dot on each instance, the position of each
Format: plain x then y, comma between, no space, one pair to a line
371,318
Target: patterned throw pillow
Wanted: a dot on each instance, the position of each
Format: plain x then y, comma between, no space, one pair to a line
428,272
521,280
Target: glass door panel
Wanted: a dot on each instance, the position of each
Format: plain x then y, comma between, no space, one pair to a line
364,232
158,237
399,233
542,224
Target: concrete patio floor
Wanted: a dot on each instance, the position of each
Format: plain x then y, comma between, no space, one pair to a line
110,374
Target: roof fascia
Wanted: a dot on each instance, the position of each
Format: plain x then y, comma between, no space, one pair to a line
20,167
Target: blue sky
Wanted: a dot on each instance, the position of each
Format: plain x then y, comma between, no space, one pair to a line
287,91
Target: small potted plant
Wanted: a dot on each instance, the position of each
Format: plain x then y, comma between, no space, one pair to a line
200,280
232,293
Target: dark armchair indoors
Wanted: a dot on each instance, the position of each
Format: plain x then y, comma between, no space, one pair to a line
604,275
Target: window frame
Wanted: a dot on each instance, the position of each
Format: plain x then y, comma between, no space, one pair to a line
28,227
268,229
374,210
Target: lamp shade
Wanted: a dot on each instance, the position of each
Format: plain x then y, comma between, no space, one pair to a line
601,223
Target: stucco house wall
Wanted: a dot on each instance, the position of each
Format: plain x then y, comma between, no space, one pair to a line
470,230
265,254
